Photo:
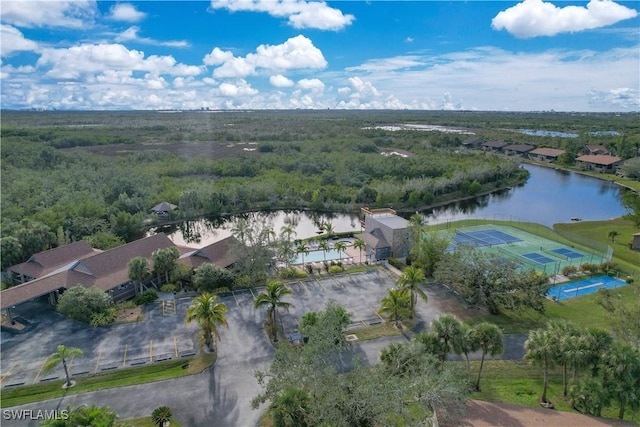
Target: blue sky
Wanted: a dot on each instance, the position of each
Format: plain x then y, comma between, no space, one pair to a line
281,54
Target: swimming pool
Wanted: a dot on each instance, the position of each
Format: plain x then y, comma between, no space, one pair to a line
320,256
584,287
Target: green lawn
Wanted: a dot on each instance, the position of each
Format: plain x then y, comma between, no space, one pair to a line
118,378
144,422
519,383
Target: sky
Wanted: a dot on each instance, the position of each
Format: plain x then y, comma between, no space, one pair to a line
532,55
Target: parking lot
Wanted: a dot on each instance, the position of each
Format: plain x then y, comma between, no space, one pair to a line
165,335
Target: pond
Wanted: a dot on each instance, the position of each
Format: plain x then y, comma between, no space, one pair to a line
550,196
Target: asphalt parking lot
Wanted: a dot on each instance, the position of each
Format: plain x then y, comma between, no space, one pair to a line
164,335
160,336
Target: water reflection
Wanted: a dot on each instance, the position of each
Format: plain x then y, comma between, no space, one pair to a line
549,196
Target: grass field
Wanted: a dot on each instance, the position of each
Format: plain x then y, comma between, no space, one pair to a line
519,383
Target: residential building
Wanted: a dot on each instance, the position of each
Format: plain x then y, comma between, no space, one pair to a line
494,145
549,155
599,163
517,149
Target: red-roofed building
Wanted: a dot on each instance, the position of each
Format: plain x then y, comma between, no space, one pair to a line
599,163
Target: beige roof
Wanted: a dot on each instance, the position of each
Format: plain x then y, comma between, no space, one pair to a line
599,159
549,152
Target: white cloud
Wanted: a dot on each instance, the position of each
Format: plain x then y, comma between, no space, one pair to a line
131,34
301,13
296,53
126,12
280,81
389,64
533,18
217,57
240,88
311,84
88,59
409,40
60,13
13,41
624,98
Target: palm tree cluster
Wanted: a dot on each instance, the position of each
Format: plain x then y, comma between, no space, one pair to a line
401,302
603,372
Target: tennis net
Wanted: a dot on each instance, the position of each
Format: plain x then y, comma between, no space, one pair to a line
479,241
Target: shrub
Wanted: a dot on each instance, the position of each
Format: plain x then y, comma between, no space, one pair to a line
333,269
169,288
569,269
588,267
309,268
292,273
104,318
209,276
608,265
81,303
147,297
397,264
629,280
222,290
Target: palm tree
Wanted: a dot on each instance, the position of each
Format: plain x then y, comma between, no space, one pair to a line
161,416
164,261
272,297
288,231
621,377
359,244
449,330
139,271
340,247
324,247
612,235
290,408
62,354
410,280
303,249
489,339
540,351
208,313
328,227
395,305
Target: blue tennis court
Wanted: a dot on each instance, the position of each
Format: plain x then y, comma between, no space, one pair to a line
485,238
536,257
568,253
584,287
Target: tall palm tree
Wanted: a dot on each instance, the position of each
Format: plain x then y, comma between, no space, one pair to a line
564,332
621,376
411,280
489,339
449,330
328,227
208,312
139,271
288,231
303,249
324,247
272,298
359,244
540,350
340,247
612,235
61,355
395,305
164,261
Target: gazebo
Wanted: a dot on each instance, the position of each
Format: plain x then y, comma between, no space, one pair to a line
163,208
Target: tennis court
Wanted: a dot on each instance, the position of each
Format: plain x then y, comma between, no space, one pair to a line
584,287
525,249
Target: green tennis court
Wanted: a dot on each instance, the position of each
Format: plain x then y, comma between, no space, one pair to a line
525,249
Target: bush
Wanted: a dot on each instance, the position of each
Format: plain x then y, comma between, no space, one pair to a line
104,318
588,267
147,297
568,270
333,269
222,290
209,276
629,280
292,273
397,264
170,288
608,265
82,303
309,268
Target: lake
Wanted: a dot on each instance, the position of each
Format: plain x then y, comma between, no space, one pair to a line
550,196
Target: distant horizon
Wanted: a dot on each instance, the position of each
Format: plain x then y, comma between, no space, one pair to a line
528,55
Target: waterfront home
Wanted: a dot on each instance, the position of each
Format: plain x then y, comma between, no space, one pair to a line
600,163
549,155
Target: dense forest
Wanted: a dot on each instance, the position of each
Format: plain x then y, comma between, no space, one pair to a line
94,175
